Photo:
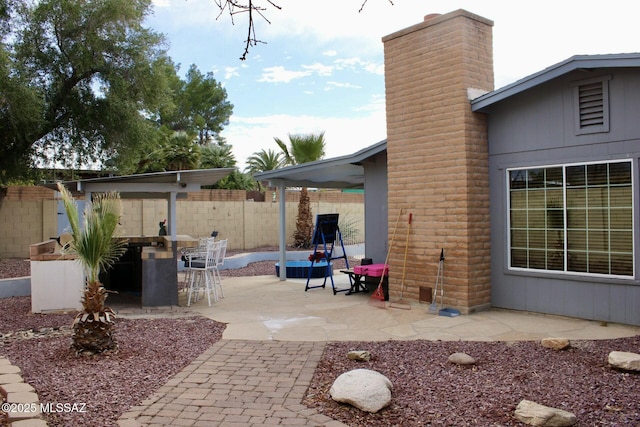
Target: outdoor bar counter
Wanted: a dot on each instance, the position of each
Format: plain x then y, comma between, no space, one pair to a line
148,268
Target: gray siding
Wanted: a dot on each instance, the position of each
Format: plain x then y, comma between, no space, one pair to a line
375,200
534,128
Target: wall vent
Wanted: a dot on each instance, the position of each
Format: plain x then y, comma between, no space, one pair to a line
592,105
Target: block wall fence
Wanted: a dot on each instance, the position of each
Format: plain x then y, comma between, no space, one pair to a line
28,214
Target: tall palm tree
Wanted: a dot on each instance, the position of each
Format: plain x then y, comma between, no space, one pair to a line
93,242
303,148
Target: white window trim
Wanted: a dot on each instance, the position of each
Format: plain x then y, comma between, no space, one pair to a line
566,272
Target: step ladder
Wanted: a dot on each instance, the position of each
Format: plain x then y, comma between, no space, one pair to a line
326,233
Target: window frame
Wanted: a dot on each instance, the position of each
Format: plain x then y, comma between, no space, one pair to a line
565,251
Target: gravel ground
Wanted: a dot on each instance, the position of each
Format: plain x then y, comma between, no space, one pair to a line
150,352
428,390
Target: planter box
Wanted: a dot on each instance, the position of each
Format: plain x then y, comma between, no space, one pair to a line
56,285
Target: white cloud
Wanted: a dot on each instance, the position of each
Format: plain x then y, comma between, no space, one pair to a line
356,63
332,85
230,72
278,74
330,53
344,135
319,69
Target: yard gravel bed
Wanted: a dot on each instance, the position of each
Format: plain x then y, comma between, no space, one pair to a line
427,389
150,351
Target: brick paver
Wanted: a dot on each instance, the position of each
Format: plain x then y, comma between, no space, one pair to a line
237,383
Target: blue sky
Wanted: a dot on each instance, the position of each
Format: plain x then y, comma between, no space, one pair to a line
322,66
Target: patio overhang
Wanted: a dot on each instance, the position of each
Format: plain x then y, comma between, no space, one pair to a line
344,172
156,185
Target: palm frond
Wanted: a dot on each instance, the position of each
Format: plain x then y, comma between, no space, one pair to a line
94,242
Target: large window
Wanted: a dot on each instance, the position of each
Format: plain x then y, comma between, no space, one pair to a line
572,218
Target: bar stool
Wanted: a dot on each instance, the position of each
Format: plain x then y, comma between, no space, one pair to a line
200,271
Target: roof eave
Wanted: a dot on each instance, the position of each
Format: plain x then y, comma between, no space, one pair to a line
574,63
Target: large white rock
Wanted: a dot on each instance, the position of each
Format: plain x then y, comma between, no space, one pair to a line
625,360
534,414
365,389
461,359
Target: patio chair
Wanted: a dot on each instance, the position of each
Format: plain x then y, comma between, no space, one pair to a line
190,254
200,271
222,251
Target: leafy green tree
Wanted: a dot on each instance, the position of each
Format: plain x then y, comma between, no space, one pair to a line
79,80
200,106
303,149
93,242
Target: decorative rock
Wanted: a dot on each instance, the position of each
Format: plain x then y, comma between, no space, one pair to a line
534,414
365,389
556,343
624,360
359,355
462,359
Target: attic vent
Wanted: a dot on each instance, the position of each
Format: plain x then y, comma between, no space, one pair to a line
592,105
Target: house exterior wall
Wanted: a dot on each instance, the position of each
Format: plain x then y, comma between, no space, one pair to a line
29,215
376,207
438,158
536,128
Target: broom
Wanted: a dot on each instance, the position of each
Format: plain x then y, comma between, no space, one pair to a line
377,297
401,303
433,308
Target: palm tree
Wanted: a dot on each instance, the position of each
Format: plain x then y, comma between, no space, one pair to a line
217,156
94,244
264,160
303,148
181,152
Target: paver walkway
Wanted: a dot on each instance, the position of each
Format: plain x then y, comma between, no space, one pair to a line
237,383
275,336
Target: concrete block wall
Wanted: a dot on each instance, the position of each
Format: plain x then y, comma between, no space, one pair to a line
29,215
26,205
438,156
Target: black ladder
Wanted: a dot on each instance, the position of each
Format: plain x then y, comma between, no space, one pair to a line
325,234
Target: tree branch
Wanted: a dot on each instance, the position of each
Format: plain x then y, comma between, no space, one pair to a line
234,7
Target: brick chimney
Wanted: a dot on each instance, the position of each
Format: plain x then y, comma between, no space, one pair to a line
438,156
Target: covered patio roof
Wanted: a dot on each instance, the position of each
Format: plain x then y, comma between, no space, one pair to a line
338,172
150,185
